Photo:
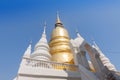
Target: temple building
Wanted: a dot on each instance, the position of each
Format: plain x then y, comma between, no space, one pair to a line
64,58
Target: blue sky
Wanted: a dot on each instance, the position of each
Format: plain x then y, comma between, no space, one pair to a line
22,21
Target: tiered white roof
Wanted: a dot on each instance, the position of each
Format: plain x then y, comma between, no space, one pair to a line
41,51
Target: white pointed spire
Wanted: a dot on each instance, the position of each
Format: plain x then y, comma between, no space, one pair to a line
28,51
44,32
94,43
78,35
96,46
80,41
41,51
43,38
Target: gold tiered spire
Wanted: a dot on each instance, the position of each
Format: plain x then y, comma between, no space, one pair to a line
59,44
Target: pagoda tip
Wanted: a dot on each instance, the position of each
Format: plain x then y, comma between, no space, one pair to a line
58,18
45,26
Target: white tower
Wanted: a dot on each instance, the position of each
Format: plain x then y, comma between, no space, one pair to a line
41,51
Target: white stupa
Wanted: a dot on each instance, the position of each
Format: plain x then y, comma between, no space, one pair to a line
41,51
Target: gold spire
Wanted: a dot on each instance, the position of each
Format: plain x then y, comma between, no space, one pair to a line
58,21
59,44
58,18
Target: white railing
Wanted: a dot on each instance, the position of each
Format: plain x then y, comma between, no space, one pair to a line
50,64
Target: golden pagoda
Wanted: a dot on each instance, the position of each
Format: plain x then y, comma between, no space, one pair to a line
59,44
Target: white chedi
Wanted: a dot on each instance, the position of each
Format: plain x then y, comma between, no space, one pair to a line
41,50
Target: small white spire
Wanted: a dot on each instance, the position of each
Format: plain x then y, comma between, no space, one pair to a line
44,28
78,33
30,42
43,37
94,43
28,51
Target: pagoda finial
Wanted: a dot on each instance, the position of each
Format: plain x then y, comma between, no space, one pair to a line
44,27
77,33
58,18
94,43
30,43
